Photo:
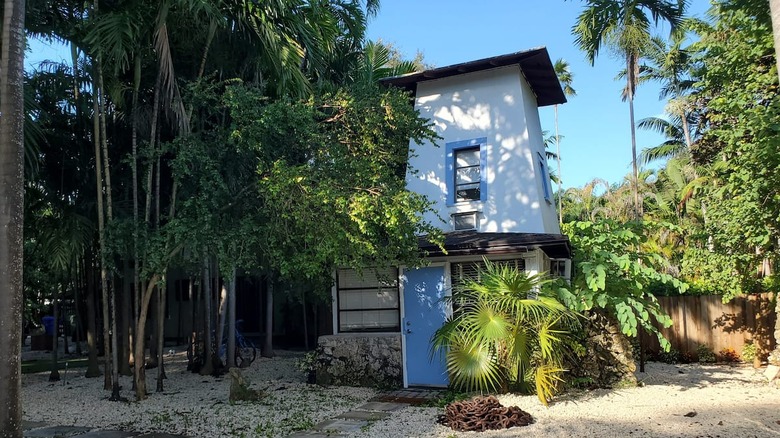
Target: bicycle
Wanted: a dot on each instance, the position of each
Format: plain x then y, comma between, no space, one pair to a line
246,352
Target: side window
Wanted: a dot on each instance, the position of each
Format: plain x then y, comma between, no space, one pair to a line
368,302
466,171
545,179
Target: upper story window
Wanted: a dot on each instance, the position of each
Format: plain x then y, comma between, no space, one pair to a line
466,171
467,174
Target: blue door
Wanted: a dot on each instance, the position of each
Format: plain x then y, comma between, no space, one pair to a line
424,313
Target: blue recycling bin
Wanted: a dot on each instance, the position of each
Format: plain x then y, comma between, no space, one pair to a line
48,324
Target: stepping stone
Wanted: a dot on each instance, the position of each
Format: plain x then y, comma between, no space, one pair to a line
56,432
382,406
312,434
27,425
364,415
160,435
341,425
109,434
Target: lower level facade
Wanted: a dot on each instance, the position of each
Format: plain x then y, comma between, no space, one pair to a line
384,318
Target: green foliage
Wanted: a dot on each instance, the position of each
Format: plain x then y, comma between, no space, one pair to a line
612,272
502,337
739,91
705,354
749,352
298,187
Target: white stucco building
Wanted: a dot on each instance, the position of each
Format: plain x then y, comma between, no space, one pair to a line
490,185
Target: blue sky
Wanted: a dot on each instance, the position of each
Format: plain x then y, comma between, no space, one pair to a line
594,124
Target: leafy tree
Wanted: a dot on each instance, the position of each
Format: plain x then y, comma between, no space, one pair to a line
613,271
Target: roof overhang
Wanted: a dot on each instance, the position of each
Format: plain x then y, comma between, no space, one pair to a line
534,63
460,243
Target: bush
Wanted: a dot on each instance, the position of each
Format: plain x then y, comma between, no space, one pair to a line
505,335
729,355
749,352
672,356
705,354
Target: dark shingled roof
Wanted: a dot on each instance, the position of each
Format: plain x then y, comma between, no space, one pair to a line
460,243
534,63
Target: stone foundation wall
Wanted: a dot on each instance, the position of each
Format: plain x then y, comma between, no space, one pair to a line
360,360
608,360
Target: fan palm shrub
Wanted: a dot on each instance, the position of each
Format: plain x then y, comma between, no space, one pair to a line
505,334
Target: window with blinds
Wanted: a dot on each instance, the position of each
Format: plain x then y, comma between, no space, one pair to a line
471,270
368,301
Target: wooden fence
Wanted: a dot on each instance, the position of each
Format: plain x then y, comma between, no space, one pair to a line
706,320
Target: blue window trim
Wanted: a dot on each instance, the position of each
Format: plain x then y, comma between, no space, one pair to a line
545,179
449,168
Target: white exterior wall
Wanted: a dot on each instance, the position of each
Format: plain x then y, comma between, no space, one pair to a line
497,104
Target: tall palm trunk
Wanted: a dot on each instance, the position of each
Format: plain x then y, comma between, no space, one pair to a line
631,66
134,169
558,159
160,338
93,369
110,216
54,375
124,323
101,231
11,216
231,338
208,362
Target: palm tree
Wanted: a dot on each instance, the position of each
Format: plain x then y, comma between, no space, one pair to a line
11,212
625,26
505,332
670,65
565,77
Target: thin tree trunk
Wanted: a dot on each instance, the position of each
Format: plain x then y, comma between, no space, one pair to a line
54,376
77,299
198,351
160,338
558,158
231,338
93,369
221,317
134,168
101,232
140,328
268,341
154,307
631,78
208,363
125,339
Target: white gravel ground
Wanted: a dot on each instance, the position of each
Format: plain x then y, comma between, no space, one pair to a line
729,401
191,404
